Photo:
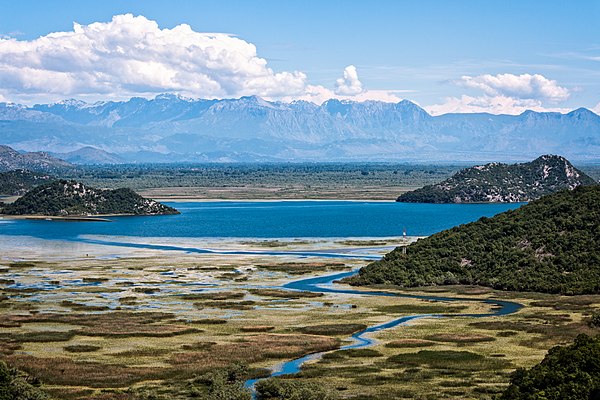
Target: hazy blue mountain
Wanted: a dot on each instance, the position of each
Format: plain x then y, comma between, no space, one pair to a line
90,155
174,128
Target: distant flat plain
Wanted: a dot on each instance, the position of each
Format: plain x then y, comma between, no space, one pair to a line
293,181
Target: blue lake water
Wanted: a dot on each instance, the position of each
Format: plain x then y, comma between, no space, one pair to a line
281,219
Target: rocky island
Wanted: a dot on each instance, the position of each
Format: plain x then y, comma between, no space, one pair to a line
71,198
497,182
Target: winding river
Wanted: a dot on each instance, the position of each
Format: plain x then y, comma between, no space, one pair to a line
326,284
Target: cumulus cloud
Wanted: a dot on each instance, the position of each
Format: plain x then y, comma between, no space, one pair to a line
131,55
349,84
489,104
596,109
505,94
525,86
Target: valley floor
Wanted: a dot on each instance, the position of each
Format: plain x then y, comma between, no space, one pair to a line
243,193
117,322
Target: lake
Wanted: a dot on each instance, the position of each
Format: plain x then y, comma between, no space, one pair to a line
277,219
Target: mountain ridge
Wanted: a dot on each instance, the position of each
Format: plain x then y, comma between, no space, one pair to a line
11,159
252,128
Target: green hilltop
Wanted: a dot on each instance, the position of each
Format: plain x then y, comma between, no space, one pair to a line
71,198
549,245
497,182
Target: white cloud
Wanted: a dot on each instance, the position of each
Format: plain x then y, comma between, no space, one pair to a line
131,55
505,94
525,86
349,84
489,104
596,109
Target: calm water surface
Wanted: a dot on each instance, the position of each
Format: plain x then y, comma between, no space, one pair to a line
272,220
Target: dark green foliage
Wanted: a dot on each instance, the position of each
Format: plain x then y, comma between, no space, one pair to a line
282,389
497,182
567,372
332,329
550,245
594,321
65,198
15,385
222,384
17,182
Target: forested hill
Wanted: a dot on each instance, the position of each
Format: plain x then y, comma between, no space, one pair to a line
550,245
18,182
498,182
67,198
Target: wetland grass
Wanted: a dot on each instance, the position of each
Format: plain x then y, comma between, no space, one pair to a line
214,295
301,268
332,329
81,348
427,308
251,349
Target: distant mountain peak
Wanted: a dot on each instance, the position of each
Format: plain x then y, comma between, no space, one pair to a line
172,97
583,112
73,103
90,155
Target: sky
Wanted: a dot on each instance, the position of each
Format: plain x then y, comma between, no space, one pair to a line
447,56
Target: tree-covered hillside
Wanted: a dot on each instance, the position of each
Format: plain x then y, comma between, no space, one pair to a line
66,198
498,182
550,245
567,372
18,182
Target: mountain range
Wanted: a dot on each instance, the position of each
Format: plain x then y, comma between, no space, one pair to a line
170,128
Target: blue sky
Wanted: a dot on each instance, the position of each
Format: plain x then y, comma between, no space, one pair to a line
495,56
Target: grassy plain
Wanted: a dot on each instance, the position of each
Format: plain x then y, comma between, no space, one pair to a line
148,322
334,181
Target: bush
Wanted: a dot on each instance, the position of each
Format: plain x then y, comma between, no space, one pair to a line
594,321
16,385
281,389
223,384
